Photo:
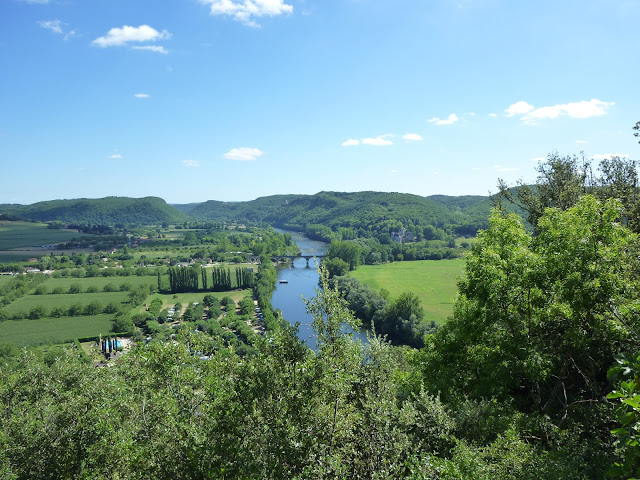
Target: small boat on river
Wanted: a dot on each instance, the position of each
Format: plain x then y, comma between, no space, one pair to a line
284,281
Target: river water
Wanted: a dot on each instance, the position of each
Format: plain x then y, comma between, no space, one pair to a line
301,281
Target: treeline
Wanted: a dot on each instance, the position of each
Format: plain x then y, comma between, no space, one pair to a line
94,307
343,256
195,278
265,284
18,286
399,320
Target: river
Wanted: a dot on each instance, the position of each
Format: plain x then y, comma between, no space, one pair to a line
301,281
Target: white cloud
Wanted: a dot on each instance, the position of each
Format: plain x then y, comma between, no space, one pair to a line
243,154
245,11
493,115
115,156
583,109
604,156
151,48
450,120
40,2
518,108
54,25
117,37
412,137
380,141
581,141
142,95
190,163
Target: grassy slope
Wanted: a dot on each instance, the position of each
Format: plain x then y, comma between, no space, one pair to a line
434,282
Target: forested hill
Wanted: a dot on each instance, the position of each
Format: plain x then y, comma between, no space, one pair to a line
360,210
99,211
363,213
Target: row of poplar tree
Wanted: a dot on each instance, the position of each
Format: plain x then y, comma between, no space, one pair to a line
196,278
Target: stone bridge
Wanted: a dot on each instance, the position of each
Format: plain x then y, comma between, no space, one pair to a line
289,258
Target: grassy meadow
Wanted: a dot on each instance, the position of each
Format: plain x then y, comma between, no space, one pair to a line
26,333
433,281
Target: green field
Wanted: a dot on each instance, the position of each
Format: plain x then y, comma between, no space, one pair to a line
15,257
100,282
26,234
433,281
24,333
25,304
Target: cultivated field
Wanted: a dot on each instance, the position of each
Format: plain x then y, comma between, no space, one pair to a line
14,235
25,333
433,281
25,304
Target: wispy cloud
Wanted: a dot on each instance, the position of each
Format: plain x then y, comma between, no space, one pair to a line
604,156
57,27
352,142
115,156
190,163
450,120
54,25
151,48
119,37
581,141
245,11
243,154
412,137
40,2
582,109
142,95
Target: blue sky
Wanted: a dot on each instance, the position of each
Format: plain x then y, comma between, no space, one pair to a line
192,100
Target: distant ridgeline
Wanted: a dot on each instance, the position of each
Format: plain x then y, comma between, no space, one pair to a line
334,215
99,211
325,215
